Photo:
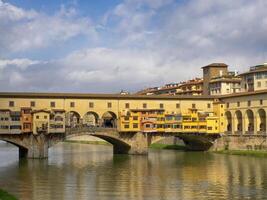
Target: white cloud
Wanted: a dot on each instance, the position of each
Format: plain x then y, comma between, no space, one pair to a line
143,43
22,63
22,29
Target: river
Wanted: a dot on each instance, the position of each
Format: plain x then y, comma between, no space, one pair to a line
82,171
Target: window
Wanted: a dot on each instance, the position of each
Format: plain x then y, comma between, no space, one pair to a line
238,104
91,104
135,118
32,103
127,105
15,127
208,105
144,105
249,103
221,106
45,117
259,84
161,105
177,105
126,118
37,116
109,104
261,102
11,104
227,105
52,104
193,105
126,125
147,126
4,127
72,104
135,125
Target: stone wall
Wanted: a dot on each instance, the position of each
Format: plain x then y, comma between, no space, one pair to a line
241,142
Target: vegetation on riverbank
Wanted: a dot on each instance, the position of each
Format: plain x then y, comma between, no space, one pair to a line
243,153
6,196
167,146
88,142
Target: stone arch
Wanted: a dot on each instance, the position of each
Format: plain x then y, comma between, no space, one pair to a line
119,146
262,121
23,150
91,119
238,122
73,119
109,119
228,122
249,121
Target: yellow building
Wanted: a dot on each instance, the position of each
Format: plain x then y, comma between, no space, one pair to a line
157,120
41,121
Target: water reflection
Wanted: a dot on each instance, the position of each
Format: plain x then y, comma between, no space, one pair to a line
78,171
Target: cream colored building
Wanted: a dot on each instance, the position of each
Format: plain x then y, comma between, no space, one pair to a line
245,113
224,85
41,121
255,79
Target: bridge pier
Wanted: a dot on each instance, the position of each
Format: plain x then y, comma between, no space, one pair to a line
30,146
139,146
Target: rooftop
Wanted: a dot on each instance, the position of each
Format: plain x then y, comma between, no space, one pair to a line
215,65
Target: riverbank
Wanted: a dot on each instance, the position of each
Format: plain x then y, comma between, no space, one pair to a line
167,146
6,196
243,153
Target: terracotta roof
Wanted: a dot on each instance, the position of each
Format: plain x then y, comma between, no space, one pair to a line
239,94
253,71
228,80
96,96
215,65
42,110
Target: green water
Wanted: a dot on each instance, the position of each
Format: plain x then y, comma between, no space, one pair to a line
82,171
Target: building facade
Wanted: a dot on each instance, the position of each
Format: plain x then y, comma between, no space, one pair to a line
255,79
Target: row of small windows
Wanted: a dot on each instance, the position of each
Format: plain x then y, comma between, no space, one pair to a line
248,103
175,126
109,105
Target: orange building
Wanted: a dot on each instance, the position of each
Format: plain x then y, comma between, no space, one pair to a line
26,120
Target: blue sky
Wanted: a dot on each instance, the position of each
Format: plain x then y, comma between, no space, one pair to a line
109,45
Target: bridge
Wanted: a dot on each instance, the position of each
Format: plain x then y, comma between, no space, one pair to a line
135,143
242,120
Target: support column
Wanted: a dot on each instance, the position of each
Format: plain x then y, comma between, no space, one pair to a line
38,147
233,125
23,153
139,144
255,120
244,124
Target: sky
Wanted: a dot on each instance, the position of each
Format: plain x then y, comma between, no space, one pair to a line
105,46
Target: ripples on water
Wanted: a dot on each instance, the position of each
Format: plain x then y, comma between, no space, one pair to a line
80,171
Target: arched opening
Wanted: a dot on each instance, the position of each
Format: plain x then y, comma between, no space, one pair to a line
109,120
262,121
73,119
238,122
23,151
119,147
228,123
249,122
91,119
